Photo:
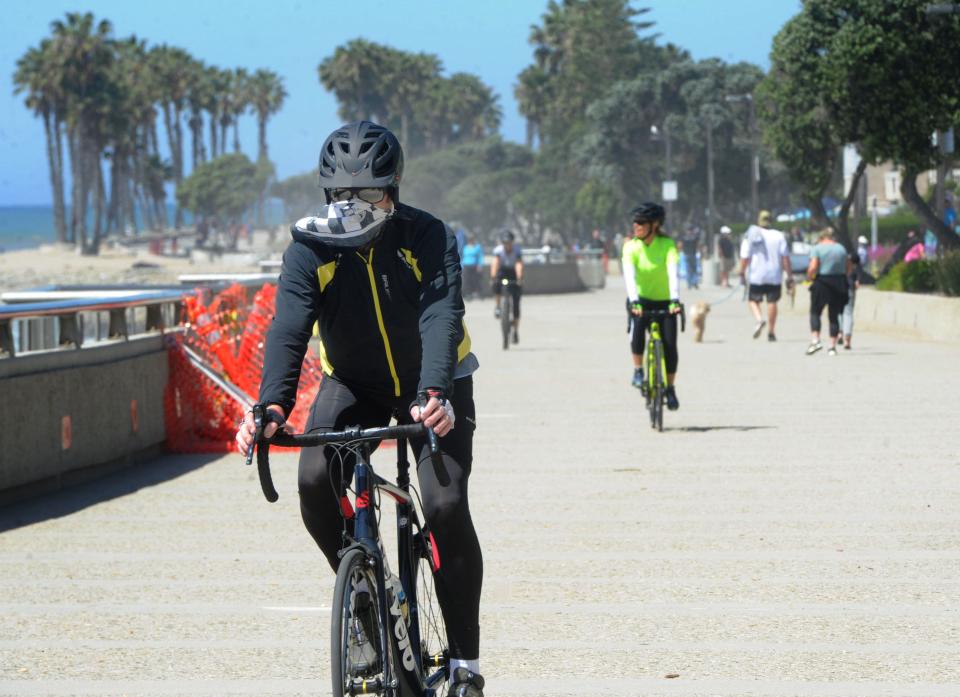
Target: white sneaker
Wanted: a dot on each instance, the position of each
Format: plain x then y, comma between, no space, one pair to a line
758,330
814,347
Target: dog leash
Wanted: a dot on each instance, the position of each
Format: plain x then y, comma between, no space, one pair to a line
733,291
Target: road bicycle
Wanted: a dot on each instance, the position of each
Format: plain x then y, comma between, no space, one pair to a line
375,613
509,290
655,381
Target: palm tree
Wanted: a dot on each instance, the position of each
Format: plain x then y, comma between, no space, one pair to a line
356,73
216,92
196,100
406,85
239,102
266,97
35,75
83,58
171,67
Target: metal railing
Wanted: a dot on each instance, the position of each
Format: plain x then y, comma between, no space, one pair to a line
69,318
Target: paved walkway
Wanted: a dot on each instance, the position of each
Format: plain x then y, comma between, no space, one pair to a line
794,532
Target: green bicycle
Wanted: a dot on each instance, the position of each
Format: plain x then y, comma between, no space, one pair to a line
655,381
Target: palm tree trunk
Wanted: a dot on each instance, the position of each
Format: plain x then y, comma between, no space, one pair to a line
224,127
116,191
59,206
74,156
98,201
213,136
262,136
236,133
177,166
129,193
56,182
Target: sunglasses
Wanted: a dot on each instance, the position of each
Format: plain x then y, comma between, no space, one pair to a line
368,195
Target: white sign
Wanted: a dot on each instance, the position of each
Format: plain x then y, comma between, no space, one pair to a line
670,190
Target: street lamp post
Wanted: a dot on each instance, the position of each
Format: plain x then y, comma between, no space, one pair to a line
754,157
655,134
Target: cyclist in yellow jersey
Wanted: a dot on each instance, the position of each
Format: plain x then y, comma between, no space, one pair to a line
650,261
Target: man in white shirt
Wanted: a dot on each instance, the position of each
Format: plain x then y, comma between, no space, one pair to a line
764,250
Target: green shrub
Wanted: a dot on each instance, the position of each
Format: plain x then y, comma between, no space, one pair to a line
919,277
893,280
947,273
915,277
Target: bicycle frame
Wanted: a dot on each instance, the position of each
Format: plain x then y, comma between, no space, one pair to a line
651,357
413,675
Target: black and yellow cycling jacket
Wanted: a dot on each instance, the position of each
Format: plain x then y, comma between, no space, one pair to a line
390,317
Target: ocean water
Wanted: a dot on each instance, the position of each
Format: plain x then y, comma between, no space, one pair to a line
27,227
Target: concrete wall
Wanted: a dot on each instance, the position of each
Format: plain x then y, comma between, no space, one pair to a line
923,316
928,317
562,277
94,387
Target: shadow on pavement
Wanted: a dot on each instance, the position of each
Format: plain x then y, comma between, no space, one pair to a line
75,498
706,429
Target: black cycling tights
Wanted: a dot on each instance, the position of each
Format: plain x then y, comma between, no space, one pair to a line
459,579
668,332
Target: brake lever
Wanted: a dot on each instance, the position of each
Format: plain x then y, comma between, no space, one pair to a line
258,421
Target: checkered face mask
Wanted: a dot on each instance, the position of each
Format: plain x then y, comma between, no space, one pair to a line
352,223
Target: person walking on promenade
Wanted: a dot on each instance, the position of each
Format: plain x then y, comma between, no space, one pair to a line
863,251
764,252
471,259
726,251
855,264
829,268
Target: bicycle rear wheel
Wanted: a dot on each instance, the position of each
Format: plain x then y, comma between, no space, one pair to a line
355,632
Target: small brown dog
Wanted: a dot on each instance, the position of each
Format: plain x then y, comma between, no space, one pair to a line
698,318
792,293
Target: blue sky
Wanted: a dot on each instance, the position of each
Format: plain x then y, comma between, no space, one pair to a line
292,36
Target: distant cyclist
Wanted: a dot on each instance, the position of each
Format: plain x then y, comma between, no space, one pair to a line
650,261
508,264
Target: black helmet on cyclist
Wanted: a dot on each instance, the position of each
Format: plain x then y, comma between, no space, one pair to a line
361,155
648,213
507,235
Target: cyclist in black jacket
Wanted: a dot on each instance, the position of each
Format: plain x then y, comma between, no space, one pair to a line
382,281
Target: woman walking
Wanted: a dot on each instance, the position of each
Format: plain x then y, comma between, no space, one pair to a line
829,268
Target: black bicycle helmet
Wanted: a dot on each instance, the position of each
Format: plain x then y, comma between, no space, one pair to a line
361,155
507,235
648,213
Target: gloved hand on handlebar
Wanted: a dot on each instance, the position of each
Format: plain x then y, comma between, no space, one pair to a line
674,308
247,430
437,414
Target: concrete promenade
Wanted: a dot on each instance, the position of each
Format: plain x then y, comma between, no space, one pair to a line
794,533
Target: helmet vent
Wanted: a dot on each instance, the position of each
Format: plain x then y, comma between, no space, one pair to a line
344,148
365,146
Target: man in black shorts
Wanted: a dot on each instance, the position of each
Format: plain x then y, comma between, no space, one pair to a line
764,252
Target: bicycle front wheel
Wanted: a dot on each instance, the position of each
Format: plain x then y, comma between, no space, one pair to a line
658,400
433,629
506,320
357,666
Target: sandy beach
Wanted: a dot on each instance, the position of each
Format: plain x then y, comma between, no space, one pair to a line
61,265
